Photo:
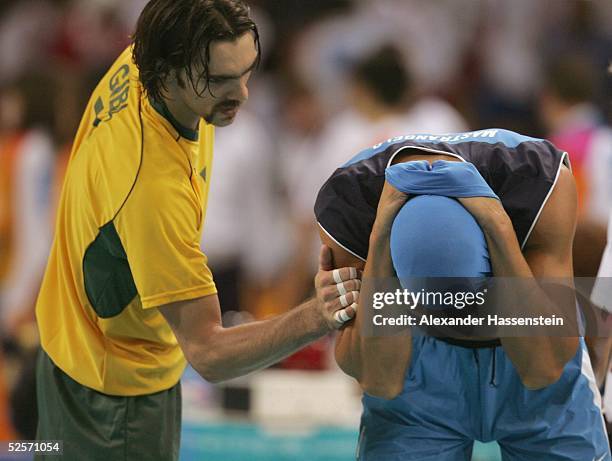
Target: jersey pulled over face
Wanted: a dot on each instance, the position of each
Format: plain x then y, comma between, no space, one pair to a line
127,240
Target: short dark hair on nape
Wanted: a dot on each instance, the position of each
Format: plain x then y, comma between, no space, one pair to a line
175,35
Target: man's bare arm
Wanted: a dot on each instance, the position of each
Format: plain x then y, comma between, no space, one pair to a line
538,360
219,353
377,363
347,340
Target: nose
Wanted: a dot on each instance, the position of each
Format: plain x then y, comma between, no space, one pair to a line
242,90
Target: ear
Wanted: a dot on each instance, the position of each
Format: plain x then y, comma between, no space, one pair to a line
340,257
178,77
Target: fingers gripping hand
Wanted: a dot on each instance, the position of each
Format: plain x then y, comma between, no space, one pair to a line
391,200
484,209
337,291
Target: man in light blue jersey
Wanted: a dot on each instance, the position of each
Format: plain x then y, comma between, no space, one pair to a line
427,398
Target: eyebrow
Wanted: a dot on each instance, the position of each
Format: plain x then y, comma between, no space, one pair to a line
230,77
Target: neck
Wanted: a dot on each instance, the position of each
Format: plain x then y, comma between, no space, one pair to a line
179,110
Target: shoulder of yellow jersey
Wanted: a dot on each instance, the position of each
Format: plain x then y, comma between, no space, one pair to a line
108,143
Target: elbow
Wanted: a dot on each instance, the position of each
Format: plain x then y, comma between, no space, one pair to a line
346,357
212,376
386,391
205,363
545,370
344,363
542,379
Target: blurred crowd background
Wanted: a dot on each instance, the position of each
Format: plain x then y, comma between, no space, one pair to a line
337,76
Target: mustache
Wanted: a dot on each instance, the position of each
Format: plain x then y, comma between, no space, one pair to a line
228,105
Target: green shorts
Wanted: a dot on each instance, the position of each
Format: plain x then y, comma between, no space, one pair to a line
99,427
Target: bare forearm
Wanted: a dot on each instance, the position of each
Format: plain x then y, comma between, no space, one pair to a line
504,250
538,359
236,351
382,360
379,363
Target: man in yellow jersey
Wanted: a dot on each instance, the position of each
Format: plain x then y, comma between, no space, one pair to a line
127,295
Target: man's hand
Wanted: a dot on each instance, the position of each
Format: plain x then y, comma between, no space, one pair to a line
337,291
391,201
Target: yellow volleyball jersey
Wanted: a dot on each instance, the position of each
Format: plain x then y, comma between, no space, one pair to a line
127,240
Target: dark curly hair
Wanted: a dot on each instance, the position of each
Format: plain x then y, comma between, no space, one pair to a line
175,35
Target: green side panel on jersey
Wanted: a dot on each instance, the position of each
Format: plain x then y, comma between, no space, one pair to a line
109,283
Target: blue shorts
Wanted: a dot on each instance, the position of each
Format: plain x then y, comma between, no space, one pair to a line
454,395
